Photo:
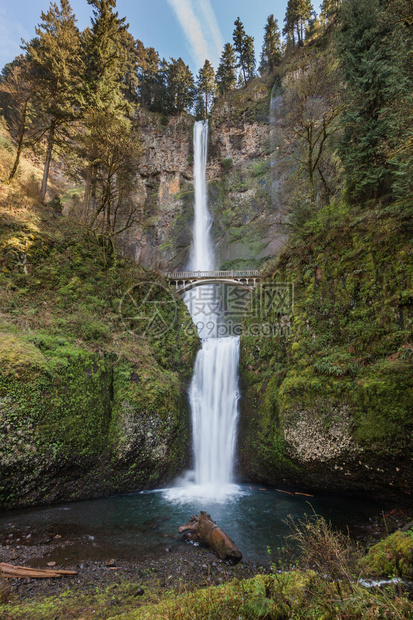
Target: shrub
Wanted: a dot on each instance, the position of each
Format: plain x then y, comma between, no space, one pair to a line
324,550
227,163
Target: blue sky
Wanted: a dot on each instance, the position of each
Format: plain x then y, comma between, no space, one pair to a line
192,29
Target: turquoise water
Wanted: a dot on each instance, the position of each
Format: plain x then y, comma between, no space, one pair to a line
141,525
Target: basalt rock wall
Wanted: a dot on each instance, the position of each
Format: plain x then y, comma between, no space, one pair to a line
239,184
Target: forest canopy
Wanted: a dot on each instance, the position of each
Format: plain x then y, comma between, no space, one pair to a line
342,81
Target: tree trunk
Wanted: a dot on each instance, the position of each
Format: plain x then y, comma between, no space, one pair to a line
310,167
20,143
87,193
298,35
50,142
8,570
89,203
243,69
312,192
93,183
201,528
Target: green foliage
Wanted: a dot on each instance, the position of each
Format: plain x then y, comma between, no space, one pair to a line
391,557
373,50
206,88
76,387
330,8
297,16
151,77
180,86
346,358
20,359
109,143
296,594
17,89
244,48
227,163
226,74
271,49
57,64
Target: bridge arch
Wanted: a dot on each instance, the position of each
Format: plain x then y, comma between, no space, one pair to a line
186,280
194,283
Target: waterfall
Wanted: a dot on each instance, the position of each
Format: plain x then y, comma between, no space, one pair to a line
213,392
214,400
202,254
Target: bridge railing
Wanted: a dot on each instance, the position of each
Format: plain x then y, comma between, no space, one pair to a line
185,275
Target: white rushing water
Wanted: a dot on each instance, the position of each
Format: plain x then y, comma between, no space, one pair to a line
202,254
214,391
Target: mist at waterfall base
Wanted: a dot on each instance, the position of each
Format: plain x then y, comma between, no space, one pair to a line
213,393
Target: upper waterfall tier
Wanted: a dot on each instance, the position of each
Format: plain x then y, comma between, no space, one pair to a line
202,255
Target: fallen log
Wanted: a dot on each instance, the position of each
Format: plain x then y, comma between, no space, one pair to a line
201,528
8,570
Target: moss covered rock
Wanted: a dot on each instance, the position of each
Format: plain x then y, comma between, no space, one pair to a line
391,557
328,396
88,406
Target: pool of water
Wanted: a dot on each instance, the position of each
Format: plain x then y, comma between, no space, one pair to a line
141,525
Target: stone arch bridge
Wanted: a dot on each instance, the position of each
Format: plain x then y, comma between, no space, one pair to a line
184,281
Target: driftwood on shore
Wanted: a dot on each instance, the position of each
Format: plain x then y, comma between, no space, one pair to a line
8,570
201,528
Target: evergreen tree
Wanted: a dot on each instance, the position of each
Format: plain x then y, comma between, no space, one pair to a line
57,64
297,16
151,80
249,56
330,8
130,80
180,86
206,86
399,111
17,87
271,49
226,74
106,58
239,37
160,99
199,107
367,66
109,140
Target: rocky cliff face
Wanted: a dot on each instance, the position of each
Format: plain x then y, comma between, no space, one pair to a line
239,176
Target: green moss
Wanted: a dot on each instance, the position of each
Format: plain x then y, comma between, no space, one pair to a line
383,397
349,343
294,594
81,398
20,359
391,557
